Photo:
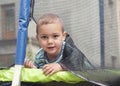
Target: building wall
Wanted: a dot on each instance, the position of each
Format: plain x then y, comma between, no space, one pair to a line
112,45
8,38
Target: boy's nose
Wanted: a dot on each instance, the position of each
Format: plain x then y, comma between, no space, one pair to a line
50,40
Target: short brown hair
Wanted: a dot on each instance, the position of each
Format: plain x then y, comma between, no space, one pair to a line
49,19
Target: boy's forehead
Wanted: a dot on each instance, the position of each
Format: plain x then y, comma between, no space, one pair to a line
55,25
52,27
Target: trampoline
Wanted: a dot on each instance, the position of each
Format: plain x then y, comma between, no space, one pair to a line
93,25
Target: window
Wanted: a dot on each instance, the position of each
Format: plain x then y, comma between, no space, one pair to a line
8,21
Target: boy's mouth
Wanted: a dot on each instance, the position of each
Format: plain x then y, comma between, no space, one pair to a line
50,48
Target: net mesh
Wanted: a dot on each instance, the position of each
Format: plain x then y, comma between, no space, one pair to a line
94,26
81,20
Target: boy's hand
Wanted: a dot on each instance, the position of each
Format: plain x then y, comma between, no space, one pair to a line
51,68
29,64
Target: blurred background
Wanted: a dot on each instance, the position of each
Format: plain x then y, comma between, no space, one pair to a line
94,26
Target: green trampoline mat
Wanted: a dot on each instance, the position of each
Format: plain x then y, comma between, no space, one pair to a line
36,75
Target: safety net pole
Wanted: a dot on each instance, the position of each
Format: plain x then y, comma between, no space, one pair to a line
101,7
21,40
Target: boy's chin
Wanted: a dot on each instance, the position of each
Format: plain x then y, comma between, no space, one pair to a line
51,52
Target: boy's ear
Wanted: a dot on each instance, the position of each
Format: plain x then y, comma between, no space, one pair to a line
64,35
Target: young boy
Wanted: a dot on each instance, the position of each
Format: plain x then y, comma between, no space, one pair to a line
58,51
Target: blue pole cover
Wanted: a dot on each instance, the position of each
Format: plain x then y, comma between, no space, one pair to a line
22,31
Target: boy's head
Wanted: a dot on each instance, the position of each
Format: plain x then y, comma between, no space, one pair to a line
50,33
49,19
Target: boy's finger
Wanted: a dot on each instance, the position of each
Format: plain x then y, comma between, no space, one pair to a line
51,73
47,71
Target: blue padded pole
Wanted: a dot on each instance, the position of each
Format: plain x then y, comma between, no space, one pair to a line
21,41
22,31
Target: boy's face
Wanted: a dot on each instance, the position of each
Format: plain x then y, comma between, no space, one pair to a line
50,37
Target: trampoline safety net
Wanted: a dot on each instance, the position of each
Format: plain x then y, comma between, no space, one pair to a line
94,26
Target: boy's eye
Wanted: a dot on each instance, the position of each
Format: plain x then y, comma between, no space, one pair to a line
55,36
44,37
